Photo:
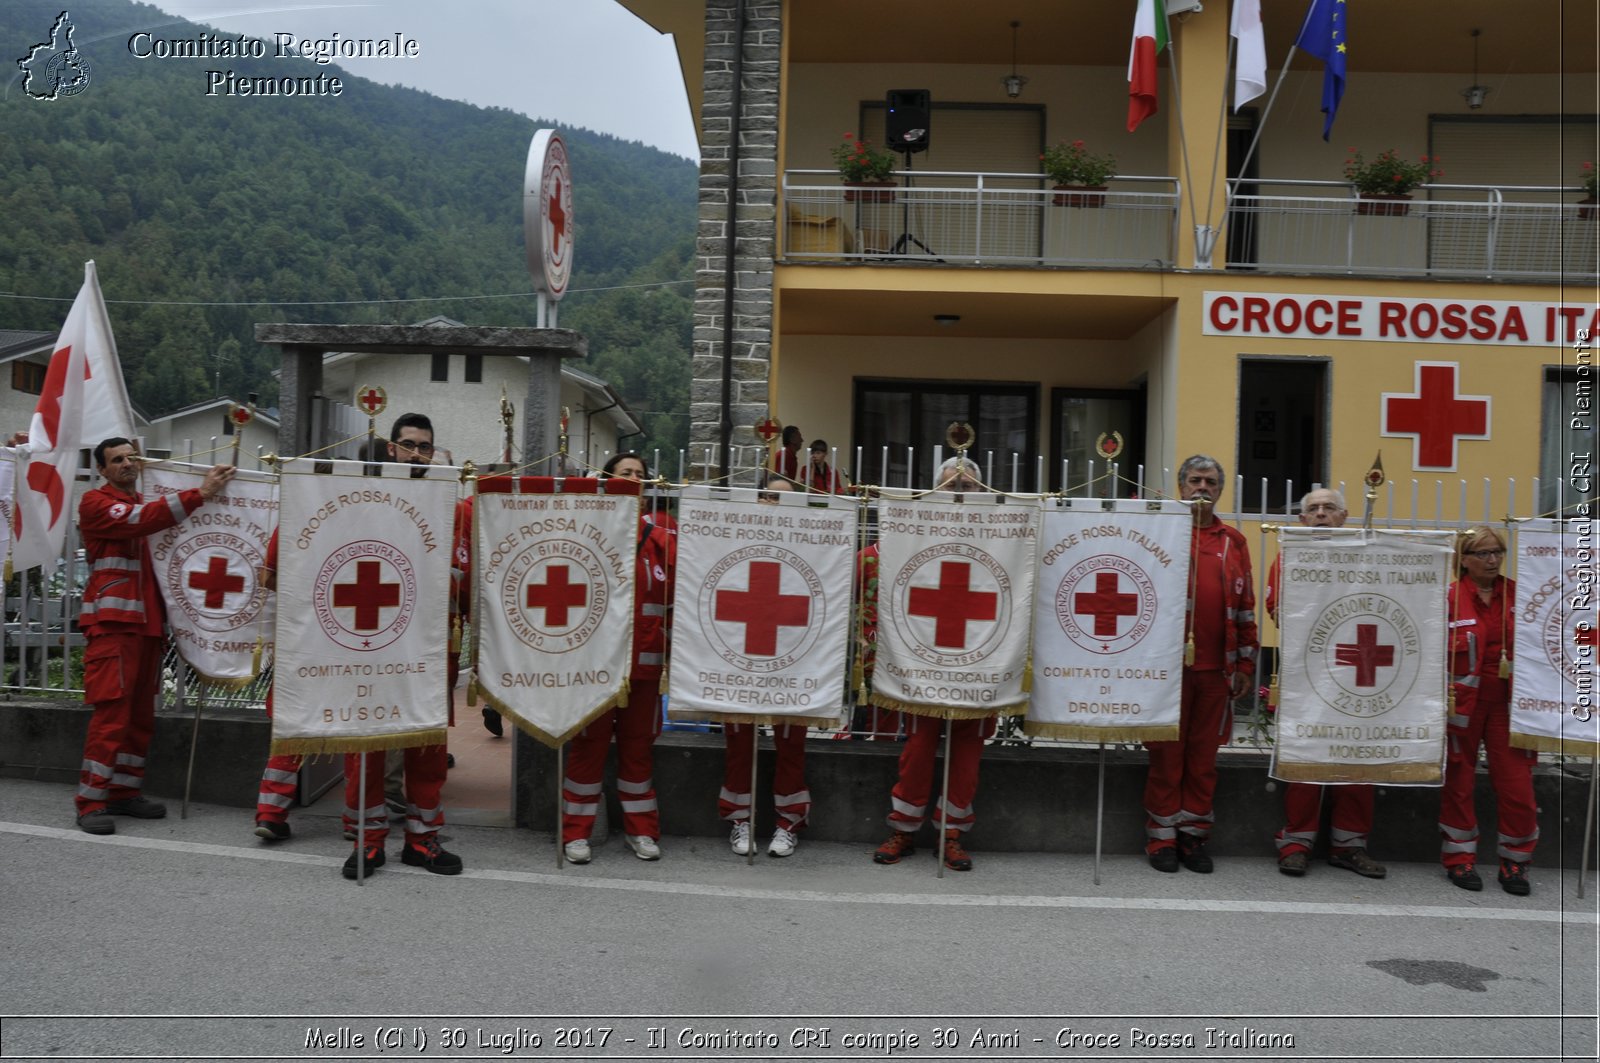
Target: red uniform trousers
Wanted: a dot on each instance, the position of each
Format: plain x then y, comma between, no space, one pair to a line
908,802
121,675
790,798
1302,812
1510,772
1183,775
425,770
280,779
637,726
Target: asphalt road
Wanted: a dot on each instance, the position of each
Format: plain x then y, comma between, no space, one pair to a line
193,939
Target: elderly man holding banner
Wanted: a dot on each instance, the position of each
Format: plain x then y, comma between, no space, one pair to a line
1220,658
955,599
1302,801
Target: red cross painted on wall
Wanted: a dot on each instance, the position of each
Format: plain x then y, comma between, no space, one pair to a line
556,595
1436,416
215,581
762,609
1365,655
953,604
1105,604
367,595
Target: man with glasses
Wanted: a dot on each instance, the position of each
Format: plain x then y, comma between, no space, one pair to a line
1302,801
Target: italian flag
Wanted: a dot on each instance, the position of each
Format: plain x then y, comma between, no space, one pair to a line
1149,39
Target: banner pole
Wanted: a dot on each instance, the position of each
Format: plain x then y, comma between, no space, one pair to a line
182,690
561,777
361,821
944,799
1099,811
755,751
1588,826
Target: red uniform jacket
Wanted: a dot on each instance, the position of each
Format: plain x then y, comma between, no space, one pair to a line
654,573
114,525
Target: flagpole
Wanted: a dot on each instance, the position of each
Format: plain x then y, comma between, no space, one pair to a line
561,781
181,688
361,821
750,824
1099,811
1222,124
1588,825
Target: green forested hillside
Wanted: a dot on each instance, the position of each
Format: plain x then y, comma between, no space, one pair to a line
206,214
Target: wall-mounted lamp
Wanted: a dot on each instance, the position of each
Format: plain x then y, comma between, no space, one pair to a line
1475,93
1014,81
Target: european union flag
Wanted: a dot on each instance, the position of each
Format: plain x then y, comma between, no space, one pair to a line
1324,36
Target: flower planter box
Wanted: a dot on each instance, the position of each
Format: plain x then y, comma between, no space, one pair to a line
1383,206
869,192
1587,209
1079,196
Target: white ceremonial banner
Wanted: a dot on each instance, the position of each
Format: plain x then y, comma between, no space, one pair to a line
1553,675
955,604
9,459
364,572
1108,621
1362,670
761,617
553,587
209,570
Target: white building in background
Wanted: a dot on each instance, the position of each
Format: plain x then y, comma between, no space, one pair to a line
204,433
461,394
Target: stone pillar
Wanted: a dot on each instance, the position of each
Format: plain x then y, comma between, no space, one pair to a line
752,212
300,382
541,413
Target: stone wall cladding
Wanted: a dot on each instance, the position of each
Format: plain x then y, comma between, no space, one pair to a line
754,213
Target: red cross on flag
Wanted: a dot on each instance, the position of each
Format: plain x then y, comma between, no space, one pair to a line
1362,672
1108,621
366,560
1435,415
955,593
208,569
761,617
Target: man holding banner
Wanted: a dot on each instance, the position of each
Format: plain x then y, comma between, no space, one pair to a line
1302,801
1220,661
122,619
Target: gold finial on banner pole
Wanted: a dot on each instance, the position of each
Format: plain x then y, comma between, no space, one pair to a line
372,400
1373,480
508,417
1109,446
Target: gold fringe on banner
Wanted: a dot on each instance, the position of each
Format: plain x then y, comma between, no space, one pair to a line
473,689
455,634
255,658
1078,732
545,737
1577,747
948,712
1027,675
1427,774
365,744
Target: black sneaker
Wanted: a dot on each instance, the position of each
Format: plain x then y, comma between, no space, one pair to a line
138,807
1194,856
1465,876
492,722
1514,878
428,854
272,830
1357,860
1165,859
97,822
371,860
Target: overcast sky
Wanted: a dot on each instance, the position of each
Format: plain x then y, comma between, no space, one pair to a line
587,63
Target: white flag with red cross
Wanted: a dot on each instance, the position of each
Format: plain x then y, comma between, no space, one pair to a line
553,584
761,615
1108,621
955,604
209,570
1553,690
1362,669
365,561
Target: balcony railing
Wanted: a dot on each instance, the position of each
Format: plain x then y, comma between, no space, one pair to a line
1510,233
1002,219
1470,232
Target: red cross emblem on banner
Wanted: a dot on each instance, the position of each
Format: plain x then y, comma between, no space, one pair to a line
762,609
556,595
1435,416
367,595
372,400
215,581
1105,603
953,604
1365,655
